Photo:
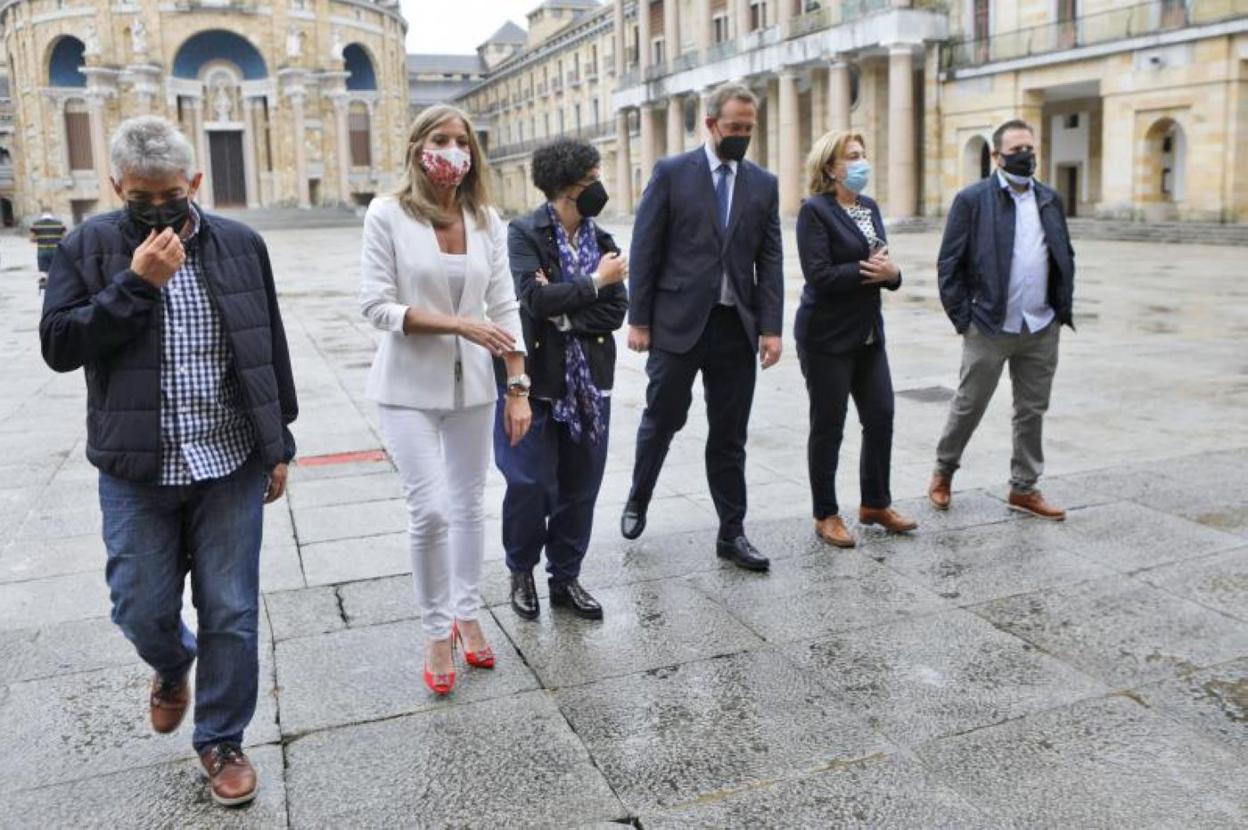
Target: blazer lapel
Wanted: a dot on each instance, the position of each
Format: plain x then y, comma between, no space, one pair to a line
846,221
476,263
705,188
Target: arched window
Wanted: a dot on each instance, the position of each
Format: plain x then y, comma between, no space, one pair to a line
360,133
1166,163
360,68
78,135
218,44
65,64
976,160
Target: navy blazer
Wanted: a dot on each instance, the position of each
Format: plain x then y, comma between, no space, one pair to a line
679,252
973,266
837,311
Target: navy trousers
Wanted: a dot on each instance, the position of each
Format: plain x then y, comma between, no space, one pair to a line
552,486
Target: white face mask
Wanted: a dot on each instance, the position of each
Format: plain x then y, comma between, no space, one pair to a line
446,166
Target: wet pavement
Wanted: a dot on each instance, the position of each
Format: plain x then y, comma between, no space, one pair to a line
989,670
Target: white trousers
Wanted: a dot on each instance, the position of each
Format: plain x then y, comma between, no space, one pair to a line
442,456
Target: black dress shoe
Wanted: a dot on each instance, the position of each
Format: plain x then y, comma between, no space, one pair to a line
633,520
572,596
524,596
742,553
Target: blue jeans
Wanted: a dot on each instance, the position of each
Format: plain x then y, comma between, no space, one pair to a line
155,535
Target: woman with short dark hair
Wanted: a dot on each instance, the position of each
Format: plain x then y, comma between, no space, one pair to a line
569,279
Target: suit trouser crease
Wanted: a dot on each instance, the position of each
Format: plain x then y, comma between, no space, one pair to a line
831,379
156,535
552,487
1032,358
726,359
442,457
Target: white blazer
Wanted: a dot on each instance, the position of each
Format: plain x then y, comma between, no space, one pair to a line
401,266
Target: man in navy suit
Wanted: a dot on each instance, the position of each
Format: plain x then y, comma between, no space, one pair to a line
707,294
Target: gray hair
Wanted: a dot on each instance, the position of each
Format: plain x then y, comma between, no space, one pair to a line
151,147
731,91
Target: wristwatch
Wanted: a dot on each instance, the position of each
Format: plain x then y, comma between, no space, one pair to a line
519,385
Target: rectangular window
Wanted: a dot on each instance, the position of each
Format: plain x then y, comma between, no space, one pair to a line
361,143
721,28
78,136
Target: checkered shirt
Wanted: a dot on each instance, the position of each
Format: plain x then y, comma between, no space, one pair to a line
205,432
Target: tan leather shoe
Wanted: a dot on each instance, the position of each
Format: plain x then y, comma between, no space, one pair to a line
938,491
887,518
231,775
168,703
1034,504
833,531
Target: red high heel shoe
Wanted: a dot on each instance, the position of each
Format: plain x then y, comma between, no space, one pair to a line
441,684
483,659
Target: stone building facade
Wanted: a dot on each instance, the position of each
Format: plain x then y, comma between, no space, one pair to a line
1141,107
288,102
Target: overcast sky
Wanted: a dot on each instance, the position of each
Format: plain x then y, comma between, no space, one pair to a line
454,27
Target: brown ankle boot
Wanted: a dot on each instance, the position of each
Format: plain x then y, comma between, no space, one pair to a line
231,775
833,531
939,491
1035,504
887,518
168,703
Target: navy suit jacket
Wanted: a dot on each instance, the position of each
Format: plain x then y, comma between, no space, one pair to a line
679,252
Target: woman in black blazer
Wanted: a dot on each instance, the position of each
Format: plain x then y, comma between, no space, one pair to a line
570,282
840,332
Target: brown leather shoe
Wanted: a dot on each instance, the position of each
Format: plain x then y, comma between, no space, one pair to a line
887,518
833,531
231,775
168,703
938,491
1035,504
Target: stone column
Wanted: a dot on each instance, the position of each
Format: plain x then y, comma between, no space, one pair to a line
784,16
706,28
838,95
675,125
901,167
621,40
249,154
773,125
341,109
754,150
671,31
643,39
742,15
201,151
818,104
296,97
100,87
647,142
623,196
790,144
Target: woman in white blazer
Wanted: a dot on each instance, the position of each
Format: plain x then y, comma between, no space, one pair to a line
436,281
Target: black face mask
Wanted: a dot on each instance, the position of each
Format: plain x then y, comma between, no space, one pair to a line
733,147
171,213
1022,163
592,200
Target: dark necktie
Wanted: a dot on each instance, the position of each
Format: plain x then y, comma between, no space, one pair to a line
721,193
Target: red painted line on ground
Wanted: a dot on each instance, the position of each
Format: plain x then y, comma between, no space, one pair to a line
341,458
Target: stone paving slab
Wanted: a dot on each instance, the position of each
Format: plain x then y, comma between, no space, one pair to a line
54,600
65,648
1099,763
512,761
1128,537
1218,581
346,490
695,731
940,675
304,613
348,560
350,521
1122,633
1213,702
24,559
162,795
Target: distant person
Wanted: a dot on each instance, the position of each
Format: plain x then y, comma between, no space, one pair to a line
1007,281
707,296
840,333
173,315
434,280
570,280
46,232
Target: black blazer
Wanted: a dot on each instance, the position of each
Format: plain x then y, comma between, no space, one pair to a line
837,311
973,266
531,245
679,253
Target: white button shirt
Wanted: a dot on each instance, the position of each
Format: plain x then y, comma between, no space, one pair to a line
725,291
1028,300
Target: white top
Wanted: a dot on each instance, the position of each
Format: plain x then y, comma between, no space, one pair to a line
401,266
725,290
1028,300
456,266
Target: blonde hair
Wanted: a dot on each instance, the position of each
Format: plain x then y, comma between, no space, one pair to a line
417,195
828,149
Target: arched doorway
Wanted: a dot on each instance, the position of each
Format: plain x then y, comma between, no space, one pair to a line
1162,173
976,160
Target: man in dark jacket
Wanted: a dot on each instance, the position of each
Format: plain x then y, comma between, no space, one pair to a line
1007,274
173,317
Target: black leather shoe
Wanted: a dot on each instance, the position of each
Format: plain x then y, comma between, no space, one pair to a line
524,596
742,553
633,520
572,596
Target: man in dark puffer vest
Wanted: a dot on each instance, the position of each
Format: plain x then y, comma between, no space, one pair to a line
173,317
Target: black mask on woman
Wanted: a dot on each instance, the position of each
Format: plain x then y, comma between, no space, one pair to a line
592,200
733,147
1022,163
171,213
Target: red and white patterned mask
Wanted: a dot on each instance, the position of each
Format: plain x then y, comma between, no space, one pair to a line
446,166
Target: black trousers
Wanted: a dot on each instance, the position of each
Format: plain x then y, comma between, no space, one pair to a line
830,380
726,358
